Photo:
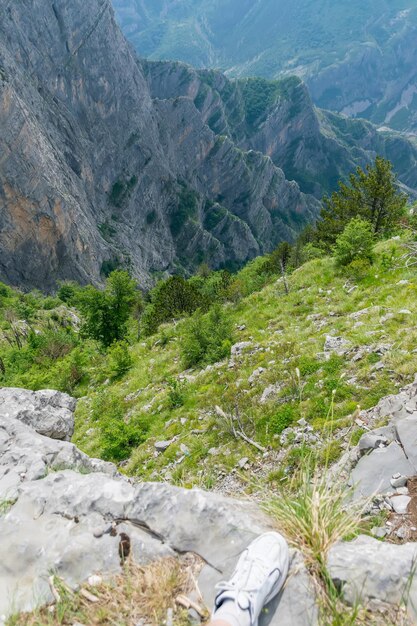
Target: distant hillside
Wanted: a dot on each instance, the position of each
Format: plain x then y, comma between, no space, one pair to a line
357,57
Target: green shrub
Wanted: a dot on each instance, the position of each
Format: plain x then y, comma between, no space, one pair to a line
70,371
282,419
310,252
170,299
119,359
372,194
51,344
67,292
358,269
118,435
176,393
355,243
106,312
206,338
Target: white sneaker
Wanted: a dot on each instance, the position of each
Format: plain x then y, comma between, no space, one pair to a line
259,576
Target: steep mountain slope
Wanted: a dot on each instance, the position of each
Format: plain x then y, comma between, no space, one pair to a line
277,118
357,57
94,172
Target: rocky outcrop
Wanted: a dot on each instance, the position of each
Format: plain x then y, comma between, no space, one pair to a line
64,512
49,413
95,172
368,570
386,456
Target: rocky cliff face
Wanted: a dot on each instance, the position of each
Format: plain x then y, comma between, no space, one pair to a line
96,172
107,160
315,148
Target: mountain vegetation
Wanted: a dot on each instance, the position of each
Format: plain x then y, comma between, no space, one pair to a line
218,366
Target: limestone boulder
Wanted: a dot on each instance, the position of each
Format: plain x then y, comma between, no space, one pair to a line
49,413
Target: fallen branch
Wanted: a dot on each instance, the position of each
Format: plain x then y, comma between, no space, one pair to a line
242,435
237,432
89,596
186,603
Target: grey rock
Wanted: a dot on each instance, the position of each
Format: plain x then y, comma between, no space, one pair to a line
270,392
339,345
238,348
378,366
400,504
161,446
104,166
255,375
370,441
360,569
61,521
398,481
373,472
407,433
379,533
49,413
401,532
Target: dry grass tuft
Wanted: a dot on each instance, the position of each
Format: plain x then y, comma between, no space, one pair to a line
316,516
137,595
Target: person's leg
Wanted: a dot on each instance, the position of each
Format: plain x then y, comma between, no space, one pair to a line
259,576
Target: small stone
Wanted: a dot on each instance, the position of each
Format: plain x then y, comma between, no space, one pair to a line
161,446
242,327
336,344
401,532
98,532
243,462
183,421
398,481
255,375
94,580
371,441
405,312
213,451
402,491
379,533
302,422
184,449
400,504
378,366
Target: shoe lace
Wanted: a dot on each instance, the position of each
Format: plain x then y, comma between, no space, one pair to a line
247,581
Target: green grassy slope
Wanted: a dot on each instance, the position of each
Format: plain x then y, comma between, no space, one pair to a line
121,419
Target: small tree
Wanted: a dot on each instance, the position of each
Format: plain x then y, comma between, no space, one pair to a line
371,194
106,312
206,338
170,299
355,243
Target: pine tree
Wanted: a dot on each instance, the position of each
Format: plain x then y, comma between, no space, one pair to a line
371,194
